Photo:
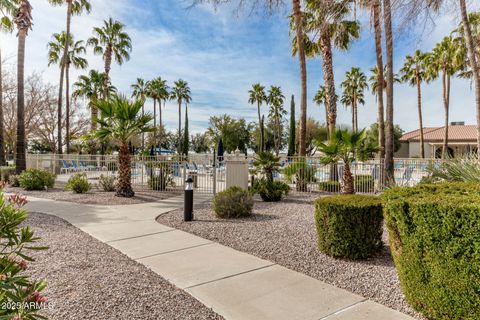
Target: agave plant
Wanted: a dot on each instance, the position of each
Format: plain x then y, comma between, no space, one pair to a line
463,169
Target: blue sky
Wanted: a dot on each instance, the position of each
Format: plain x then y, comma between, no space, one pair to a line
222,52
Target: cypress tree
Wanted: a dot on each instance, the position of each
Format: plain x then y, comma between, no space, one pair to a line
291,134
186,141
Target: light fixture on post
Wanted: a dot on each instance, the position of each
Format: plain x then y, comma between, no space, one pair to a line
188,200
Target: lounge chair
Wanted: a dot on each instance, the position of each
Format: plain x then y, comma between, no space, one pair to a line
66,167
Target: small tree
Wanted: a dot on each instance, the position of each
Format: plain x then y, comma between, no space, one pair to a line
121,121
345,146
267,163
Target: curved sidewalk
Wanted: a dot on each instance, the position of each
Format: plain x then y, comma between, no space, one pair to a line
234,284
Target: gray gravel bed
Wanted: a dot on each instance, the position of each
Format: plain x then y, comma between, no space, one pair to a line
87,279
285,233
95,196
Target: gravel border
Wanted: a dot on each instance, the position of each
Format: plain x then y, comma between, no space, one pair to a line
94,196
87,279
285,233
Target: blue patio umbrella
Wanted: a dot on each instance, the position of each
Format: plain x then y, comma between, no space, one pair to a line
220,149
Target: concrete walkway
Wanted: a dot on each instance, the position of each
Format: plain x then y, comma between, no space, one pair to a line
234,284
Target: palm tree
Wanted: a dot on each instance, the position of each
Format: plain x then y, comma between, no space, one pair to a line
157,89
23,21
180,93
325,25
321,98
353,93
74,7
345,146
276,99
111,41
121,121
91,87
257,95
446,58
7,9
140,93
414,73
389,140
55,55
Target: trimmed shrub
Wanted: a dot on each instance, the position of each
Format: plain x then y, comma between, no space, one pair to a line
6,172
364,183
78,183
234,202
36,179
349,226
107,183
329,186
435,242
14,180
270,191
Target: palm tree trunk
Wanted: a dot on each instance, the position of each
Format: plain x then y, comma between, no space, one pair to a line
420,117
160,121
21,143
93,126
154,122
380,78
389,143
348,184
262,134
67,107
446,105
473,63
179,147
353,117
59,110
108,65
297,14
2,136
326,48
143,133
124,187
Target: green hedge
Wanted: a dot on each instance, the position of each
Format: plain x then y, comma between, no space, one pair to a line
435,242
349,225
36,179
329,186
234,202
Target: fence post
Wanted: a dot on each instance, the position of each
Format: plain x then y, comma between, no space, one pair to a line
214,176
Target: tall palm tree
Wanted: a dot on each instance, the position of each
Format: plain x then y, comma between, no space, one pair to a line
121,121
7,9
157,89
74,57
414,73
180,93
326,25
375,85
74,7
389,139
446,58
139,92
276,100
353,93
23,22
321,99
112,42
91,87
257,95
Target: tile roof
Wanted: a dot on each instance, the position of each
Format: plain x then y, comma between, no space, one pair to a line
455,133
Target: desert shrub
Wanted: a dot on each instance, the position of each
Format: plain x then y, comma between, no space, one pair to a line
435,242
6,172
270,191
78,183
17,241
364,183
160,176
349,225
329,186
107,183
234,202
36,179
14,180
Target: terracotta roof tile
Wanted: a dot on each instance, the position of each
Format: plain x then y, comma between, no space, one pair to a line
455,133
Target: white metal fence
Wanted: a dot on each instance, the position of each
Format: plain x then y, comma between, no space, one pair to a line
212,174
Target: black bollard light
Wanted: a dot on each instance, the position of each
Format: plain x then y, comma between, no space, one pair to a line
188,200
